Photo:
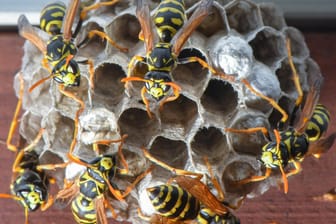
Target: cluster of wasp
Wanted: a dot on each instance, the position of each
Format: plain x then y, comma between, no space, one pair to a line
186,197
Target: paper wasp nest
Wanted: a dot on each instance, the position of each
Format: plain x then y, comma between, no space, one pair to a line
239,37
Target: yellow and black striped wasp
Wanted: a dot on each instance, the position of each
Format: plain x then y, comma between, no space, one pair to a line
60,50
88,193
301,138
30,183
188,200
164,46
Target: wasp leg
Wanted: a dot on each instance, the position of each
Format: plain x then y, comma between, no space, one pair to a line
51,166
78,112
16,165
102,35
89,63
132,185
15,119
268,99
85,10
206,65
17,199
176,90
146,102
172,169
214,180
109,206
131,65
249,130
256,178
49,203
296,78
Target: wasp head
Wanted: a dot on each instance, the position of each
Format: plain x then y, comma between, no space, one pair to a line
156,84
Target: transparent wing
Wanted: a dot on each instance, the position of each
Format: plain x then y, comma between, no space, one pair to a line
69,19
27,31
201,12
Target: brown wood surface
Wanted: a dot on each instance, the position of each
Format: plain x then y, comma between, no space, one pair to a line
297,206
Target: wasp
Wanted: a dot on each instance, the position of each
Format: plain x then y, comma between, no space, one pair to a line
300,139
88,192
60,50
163,47
189,201
30,184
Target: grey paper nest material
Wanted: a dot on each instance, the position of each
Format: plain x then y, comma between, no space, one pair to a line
239,37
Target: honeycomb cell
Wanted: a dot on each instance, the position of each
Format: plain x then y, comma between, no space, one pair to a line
38,101
264,80
190,76
299,47
272,16
287,103
235,171
58,133
170,151
93,46
124,30
98,124
231,54
248,143
313,72
30,125
214,23
139,127
48,157
243,16
269,47
107,86
285,77
209,142
219,99
178,116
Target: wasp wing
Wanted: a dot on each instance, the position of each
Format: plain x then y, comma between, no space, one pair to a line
100,210
322,145
69,19
66,195
193,22
27,31
309,106
202,193
150,36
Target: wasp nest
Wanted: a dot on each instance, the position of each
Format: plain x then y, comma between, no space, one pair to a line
239,37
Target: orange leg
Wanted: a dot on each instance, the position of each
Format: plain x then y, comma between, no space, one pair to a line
78,112
249,130
15,119
103,35
214,180
268,99
176,89
256,178
85,10
296,77
168,167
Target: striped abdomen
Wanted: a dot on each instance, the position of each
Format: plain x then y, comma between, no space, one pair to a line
207,216
169,18
173,202
318,123
84,210
51,18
